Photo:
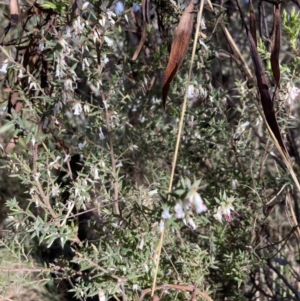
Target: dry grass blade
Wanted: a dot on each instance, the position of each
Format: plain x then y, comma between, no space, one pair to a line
141,43
179,48
252,22
14,13
276,43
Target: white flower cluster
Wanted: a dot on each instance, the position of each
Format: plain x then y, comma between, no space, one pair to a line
193,201
225,210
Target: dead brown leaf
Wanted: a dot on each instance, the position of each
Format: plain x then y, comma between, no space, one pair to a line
252,22
145,10
262,85
276,44
14,12
179,48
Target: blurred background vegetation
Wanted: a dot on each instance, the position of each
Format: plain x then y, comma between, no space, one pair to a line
87,150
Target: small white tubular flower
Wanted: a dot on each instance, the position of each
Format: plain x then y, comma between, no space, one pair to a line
77,108
78,25
101,295
85,62
191,223
106,105
86,108
32,85
4,68
55,191
101,135
133,147
204,45
119,164
119,9
85,5
196,202
234,184
200,207
53,163
166,213
33,141
82,145
105,59
179,211
67,157
20,75
152,192
136,287
142,243
96,174
68,84
191,91
225,210
109,41
202,24
37,176
218,215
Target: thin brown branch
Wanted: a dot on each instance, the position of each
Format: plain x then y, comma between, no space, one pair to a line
286,282
112,158
186,288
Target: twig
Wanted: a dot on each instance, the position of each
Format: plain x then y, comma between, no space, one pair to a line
44,197
232,43
112,158
187,288
99,267
286,282
30,270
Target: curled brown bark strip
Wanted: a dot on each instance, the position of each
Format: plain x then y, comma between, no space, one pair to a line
179,48
276,44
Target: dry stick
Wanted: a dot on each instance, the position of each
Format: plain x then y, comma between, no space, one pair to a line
29,270
178,139
186,288
112,158
142,41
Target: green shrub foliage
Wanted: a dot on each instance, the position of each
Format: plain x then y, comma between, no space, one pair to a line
86,156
